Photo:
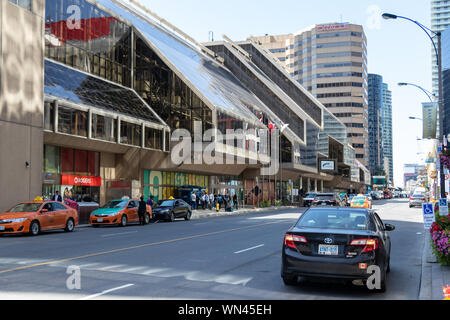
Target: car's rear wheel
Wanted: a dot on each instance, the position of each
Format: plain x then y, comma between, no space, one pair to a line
35,228
188,216
123,221
70,225
290,280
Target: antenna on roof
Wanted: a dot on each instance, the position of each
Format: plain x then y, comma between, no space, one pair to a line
163,21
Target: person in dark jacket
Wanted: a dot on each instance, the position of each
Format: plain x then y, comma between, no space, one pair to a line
142,211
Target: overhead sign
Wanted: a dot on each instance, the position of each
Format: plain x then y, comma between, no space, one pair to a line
327,165
428,215
443,207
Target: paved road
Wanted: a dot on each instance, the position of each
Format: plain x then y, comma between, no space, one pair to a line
232,258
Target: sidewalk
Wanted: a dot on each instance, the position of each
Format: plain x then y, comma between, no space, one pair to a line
434,276
201,214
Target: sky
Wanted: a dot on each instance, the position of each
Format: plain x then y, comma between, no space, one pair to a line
397,49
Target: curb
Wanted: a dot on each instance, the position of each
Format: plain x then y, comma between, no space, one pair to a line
212,214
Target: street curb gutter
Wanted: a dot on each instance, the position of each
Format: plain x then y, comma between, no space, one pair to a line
197,216
425,291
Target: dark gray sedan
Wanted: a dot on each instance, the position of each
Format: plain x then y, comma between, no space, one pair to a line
169,210
340,243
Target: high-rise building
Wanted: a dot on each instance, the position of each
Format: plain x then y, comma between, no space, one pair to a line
440,20
387,140
330,61
446,78
375,125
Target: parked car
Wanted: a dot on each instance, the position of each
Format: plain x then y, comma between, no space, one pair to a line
119,212
169,210
361,201
309,198
33,217
327,199
417,200
336,243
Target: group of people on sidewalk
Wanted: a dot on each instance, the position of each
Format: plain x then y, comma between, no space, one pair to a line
214,201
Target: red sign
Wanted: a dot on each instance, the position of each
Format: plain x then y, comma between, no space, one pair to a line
68,180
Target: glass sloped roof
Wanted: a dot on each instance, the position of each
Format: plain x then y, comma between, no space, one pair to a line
80,88
214,82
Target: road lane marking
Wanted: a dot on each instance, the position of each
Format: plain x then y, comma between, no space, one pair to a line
107,291
249,249
118,234
140,246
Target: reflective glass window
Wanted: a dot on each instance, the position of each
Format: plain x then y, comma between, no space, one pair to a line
82,36
130,133
104,128
72,121
153,138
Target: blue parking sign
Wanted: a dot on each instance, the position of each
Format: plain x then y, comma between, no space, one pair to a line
428,215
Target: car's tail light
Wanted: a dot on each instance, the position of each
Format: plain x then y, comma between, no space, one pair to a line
290,240
369,244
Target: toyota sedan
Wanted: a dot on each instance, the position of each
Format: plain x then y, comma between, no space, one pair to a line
169,210
33,217
337,243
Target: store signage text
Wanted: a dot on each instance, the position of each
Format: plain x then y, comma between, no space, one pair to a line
71,180
332,27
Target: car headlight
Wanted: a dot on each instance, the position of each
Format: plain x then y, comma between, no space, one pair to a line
17,220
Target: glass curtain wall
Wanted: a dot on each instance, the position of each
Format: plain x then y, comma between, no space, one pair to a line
166,93
82,36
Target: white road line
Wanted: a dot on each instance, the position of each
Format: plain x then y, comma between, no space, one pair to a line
118,234
252,248
107,291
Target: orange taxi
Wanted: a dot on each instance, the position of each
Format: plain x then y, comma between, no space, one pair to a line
119,212
361,201
33,217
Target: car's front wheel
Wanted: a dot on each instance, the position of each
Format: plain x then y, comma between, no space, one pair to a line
124,221
171,217
147,219
70,225
35,228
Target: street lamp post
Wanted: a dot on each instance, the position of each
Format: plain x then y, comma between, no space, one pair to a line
438,49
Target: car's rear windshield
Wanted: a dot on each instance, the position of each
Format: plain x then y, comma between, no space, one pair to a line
26,207
311,195
335,219
359,199
418,196
325,197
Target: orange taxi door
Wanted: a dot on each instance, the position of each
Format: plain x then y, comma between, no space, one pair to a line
132,211
61,214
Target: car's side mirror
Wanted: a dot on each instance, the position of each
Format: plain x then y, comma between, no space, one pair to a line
389,227
44,210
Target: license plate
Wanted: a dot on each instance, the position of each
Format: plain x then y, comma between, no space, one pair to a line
100,220
327,250
2,228
324,203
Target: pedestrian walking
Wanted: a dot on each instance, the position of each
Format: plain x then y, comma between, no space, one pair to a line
235,200
194,201
142,211
150,201
57,197
211,201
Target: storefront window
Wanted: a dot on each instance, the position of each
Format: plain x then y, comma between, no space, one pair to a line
52,162
130,133
72,121
104,128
